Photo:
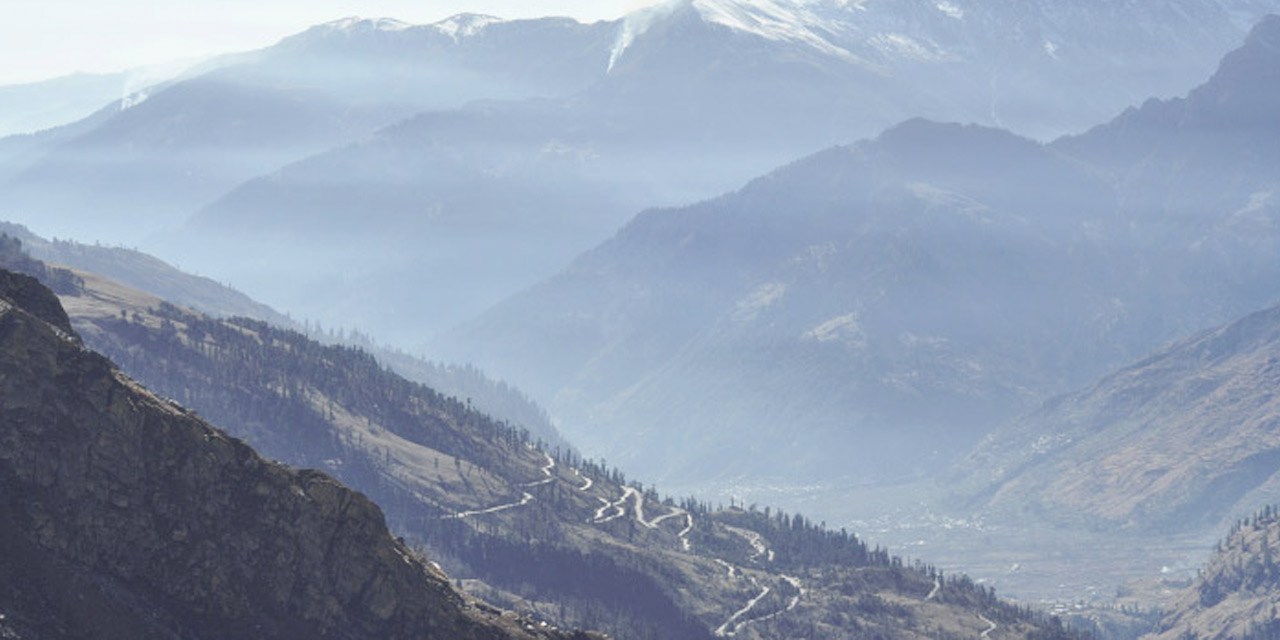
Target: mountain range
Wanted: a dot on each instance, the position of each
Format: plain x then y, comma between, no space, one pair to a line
880,306
1163,422
859,317
570,129
150,160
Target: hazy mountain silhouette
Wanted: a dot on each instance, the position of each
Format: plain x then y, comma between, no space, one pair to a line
873,306
688,100
161,155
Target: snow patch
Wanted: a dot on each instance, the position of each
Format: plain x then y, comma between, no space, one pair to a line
845,328
1258,201
465,25
390,24
759,299
897,45
635,24
777,20
951,10
376,24
343,24
131,100
1049,442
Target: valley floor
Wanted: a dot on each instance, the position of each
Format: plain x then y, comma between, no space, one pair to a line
1068,572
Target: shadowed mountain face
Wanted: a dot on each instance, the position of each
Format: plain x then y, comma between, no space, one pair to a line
125,516
878,306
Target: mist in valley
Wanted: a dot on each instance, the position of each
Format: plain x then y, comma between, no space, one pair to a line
990,284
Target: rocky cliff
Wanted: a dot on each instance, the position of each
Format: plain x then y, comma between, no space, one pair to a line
123,515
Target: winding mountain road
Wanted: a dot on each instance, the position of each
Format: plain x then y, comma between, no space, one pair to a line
586,482
733,571
937,584
791,605
600,518
756,541
993,626
729,629
524,499
684,533
546,470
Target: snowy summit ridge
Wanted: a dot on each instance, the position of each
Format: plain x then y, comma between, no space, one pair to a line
465,25
843,29
798,21
356,23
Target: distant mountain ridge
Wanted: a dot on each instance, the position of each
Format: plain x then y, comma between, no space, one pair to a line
570,129
696,98
155,277
151,162
1147,446
894,299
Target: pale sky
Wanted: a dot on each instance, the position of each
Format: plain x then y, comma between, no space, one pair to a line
41,39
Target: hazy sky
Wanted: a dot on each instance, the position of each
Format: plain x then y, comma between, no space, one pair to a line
46,38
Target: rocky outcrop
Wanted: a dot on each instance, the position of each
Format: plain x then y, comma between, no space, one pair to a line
123,515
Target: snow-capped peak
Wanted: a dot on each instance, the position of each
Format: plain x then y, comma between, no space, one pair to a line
636,23
465,25
780,20
377,24
794,21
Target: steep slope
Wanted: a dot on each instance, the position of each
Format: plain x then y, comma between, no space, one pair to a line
125,516
1176,442
1236,595
158,158
1149,446
566,540
890,299
157,278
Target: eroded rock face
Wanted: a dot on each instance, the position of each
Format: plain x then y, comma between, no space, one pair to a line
123,515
